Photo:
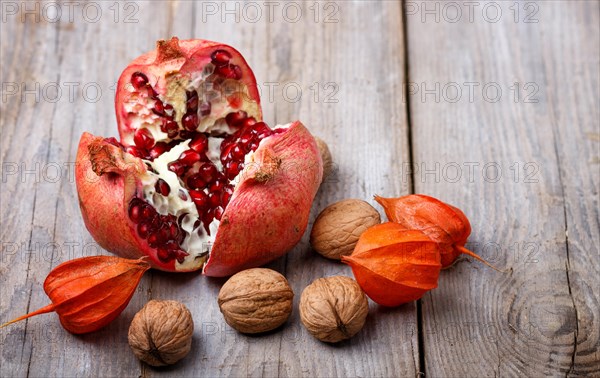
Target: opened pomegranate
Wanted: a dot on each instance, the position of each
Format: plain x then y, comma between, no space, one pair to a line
197,179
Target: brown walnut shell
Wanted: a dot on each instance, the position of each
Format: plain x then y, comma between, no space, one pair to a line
256,300
334,308
338,227
161,332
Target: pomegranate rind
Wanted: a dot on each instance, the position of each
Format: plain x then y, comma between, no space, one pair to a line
104,199
185,56
267,215
270,206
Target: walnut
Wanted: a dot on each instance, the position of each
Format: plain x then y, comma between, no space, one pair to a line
161,332
325,156
256,300
337,229
333,308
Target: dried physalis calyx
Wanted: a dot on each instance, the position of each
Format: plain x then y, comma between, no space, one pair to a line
337,229
333,308
161,332
394,265
443,223
89,292
256,300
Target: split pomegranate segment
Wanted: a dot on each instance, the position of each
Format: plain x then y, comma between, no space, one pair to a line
190,125
209,187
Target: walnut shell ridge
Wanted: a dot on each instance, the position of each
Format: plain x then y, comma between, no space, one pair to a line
161,332
256,300
339,226
334,308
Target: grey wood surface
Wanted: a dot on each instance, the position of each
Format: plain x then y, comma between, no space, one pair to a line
538,219
534,208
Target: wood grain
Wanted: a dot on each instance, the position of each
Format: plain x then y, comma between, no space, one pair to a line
340,68
541,317
288,56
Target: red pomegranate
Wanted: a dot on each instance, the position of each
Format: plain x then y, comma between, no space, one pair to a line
197,179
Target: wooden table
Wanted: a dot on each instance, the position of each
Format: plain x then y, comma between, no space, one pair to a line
493,107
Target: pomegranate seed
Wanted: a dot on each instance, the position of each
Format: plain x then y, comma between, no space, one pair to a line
191,94
245,143
214,199
159,149
248,122
159,108
135,210
192,102
230,71
208,217
163,234
139,80
226,195
237,153
225,157
152,93
218,213
237,71
137,152
184,134
226,145
208,172
196,182
113,141
143,138
179,255
189,157
190,121
262,130
199,198
174,231
220,58
205,109
232,169
143,229
153,240
162,187
233,119
176,167
163,254
254,146
171,128
168,107
148,211
199,143
216,186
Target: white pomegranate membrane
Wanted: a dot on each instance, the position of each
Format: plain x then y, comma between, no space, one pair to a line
195,142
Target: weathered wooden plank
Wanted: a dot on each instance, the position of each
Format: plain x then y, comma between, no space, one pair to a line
361,53
572,69
287,59
517,164
24,226
87,53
